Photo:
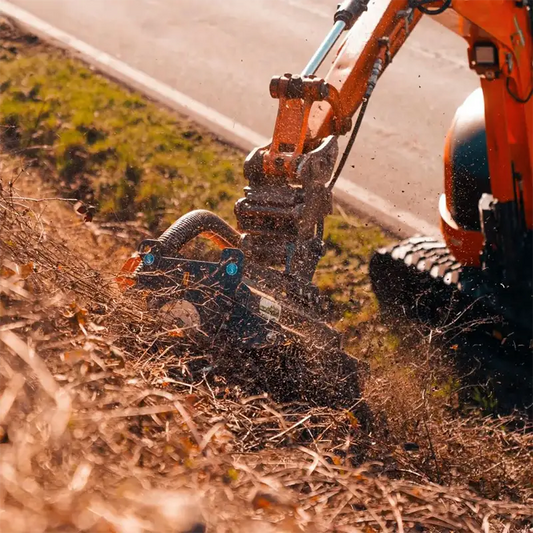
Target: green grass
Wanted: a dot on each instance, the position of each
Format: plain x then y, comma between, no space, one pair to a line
111,146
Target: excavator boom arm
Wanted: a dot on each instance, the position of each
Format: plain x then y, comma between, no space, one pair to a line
381,31
290,179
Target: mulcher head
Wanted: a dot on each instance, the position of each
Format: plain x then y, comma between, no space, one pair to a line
270,324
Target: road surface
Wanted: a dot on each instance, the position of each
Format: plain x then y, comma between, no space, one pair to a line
223,54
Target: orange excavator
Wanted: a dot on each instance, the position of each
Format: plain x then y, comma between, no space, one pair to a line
260,294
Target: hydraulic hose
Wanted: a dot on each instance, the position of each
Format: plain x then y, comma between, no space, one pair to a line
184,230
199,222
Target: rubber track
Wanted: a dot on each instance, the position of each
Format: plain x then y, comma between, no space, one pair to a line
417,278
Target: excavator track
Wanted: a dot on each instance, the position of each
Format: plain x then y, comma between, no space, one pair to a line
419,280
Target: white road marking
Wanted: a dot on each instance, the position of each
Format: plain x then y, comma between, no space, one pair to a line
396,220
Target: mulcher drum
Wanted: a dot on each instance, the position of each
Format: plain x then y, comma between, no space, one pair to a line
265,340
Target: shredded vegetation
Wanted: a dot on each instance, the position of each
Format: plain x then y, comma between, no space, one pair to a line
109,422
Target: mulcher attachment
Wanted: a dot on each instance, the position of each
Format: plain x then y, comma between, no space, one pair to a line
269,324
229,305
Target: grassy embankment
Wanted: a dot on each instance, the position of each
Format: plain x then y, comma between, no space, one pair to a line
89,138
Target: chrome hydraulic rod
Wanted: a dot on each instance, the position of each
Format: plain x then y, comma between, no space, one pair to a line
345,17
323,50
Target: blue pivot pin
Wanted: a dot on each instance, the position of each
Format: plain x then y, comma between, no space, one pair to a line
149,259
232,269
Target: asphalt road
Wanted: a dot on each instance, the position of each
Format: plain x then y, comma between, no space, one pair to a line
224,52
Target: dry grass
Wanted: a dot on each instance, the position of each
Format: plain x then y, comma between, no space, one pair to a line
109,424
431,438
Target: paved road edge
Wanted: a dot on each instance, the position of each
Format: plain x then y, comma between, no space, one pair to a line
364,202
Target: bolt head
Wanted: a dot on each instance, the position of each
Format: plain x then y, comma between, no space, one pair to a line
149,259
232,269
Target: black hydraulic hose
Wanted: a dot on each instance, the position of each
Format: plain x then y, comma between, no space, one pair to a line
197,223
371,84
349,146
428,11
